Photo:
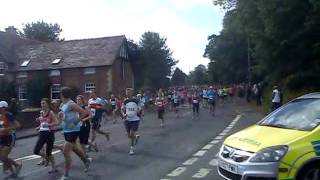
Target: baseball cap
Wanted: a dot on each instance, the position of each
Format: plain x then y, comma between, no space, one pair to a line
3,104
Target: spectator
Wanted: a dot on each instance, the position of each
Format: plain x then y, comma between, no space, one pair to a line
276,98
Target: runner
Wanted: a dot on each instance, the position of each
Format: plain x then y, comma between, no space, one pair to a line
195,105
8,125
141,105
160,103
130,111
211,100
96,104
205,98
70,116
85,125
176,103
114,108
48,122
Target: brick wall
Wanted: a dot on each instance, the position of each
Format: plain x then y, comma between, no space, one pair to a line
119,84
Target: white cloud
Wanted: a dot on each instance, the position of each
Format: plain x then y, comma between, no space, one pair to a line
97,18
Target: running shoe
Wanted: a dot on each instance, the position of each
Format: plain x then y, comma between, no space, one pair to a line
64,177
131,152
87,165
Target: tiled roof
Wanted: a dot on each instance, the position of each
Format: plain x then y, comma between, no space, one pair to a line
8,43
74,53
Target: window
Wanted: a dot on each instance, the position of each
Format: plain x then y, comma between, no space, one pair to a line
56,61
55,91
22,75
3,68
90,70
22,94
89,87
25,63
54,73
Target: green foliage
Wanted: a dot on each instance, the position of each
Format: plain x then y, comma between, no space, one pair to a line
179,78
42,31
281,37
7,90
156,60
38,88
199,76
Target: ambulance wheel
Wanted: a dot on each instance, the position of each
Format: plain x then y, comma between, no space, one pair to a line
310,172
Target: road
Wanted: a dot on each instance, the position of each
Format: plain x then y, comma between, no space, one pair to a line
184,149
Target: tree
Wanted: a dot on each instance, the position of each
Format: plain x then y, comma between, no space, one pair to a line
278,36
42,31
199,76
179,78
156,60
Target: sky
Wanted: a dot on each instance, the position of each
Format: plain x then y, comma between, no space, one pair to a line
185,23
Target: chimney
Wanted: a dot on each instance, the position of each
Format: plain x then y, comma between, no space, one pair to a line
11,30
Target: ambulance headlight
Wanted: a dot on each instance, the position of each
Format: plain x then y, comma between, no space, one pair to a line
270,154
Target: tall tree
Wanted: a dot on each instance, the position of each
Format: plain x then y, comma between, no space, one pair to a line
156,59
179,78
42,31
199,76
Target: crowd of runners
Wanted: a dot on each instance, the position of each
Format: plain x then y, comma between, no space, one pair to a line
81,121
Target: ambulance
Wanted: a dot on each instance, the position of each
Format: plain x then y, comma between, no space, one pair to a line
285,145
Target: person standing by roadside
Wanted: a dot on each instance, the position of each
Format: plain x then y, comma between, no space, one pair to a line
85,125
13,107
71,116
276,98
96,105
130,111
8,125
48,121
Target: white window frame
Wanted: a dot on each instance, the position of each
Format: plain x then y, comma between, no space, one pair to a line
22,90
89,86
56,61
55,89
25,63
89,70
54,72
3,68
22,75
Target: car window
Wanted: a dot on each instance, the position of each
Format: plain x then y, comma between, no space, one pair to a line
300,114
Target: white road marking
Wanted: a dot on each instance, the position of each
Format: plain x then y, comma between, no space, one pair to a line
207,147
214,162
226,131
165,179
31,157
219,137
190,161
217,155
222,134
215,142
202,173
177,171
200,153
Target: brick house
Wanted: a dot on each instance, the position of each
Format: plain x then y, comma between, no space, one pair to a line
99,64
